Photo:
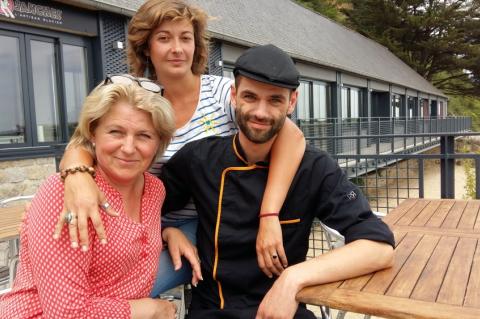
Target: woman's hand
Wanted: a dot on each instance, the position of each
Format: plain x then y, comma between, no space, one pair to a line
148,308
179,245
270,253
82,200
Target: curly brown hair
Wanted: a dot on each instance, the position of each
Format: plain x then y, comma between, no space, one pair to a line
149,16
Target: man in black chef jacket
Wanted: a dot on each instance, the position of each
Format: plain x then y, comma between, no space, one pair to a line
226,177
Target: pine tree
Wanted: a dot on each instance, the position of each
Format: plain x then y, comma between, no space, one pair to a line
440,39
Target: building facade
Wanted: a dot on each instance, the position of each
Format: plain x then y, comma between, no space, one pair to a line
53,52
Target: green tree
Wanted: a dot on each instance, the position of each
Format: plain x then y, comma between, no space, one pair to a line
432,36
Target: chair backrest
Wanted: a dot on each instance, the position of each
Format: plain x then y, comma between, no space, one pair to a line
4,291
4,202
334,238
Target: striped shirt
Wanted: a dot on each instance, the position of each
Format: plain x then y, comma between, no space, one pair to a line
214,116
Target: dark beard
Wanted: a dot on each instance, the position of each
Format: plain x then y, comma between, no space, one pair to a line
254,136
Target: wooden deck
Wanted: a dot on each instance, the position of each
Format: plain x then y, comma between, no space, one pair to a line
436,272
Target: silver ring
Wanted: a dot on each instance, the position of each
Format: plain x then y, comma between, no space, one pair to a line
69,218
105,205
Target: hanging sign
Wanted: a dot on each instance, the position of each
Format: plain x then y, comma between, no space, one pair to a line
49,14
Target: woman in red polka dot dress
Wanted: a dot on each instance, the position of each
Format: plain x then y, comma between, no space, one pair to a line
127,126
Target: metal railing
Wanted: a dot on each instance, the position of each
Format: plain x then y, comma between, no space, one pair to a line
387,135
386,179
389,178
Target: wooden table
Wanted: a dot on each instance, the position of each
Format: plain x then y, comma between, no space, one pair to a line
10,221
436,272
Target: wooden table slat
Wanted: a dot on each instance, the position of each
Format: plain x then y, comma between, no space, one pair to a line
477,223
455,282
425,214
10,221
409,216
397,213
382,279
407,277
392,307
399,236
356,283
469,215
472,297
440,214
430,281
454,215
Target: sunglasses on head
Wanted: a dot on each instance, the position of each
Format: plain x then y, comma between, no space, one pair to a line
127,79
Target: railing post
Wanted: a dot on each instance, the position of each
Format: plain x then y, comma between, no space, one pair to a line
392,131
447,167
421,173
359,133
378,136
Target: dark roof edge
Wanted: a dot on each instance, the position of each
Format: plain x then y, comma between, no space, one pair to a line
302,58
100,6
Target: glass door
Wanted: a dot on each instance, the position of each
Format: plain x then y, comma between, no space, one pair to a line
43,84
45,97
75,77
12,119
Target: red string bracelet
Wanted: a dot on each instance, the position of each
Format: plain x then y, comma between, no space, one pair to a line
267,214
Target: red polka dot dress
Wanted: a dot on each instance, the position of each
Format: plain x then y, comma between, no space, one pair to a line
55,281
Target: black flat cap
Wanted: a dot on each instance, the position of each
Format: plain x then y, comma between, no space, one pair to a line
268,64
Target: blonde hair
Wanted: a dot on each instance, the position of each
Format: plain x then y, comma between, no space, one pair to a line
149,16
103,97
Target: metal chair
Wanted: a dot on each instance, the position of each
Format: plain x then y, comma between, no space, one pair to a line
178,296
13,245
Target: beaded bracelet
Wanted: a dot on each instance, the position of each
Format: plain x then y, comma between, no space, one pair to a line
268,214
72,170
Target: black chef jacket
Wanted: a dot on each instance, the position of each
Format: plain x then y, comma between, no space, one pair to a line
228,192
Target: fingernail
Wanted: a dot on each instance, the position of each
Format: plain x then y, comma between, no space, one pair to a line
201,278
285,266
74,244
116,213
103,241
195,285
55,236
84,248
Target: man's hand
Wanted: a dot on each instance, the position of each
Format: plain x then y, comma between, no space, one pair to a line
179,245
82,200
270,253
280,302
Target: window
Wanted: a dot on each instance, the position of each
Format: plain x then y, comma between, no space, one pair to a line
12,121
313,100
303,103
412,107
352,104
76,82
396,105
228,72
43,84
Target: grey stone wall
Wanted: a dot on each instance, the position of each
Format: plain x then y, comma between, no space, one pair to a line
22,177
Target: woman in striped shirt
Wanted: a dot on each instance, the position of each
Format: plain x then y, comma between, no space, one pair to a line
168,43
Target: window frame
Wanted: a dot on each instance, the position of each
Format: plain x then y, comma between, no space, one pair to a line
31,148
311,108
